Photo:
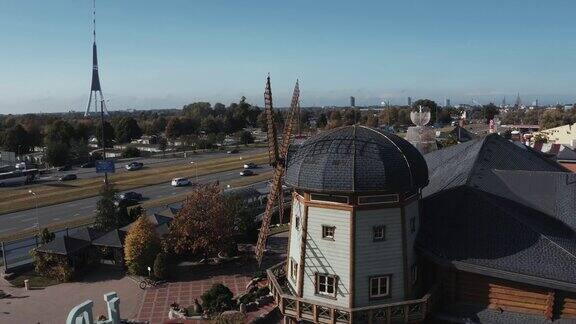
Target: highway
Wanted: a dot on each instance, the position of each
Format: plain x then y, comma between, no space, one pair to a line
18,221
152,162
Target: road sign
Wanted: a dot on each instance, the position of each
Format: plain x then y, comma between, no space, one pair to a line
105,166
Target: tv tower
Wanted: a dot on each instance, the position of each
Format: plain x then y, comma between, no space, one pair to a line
95,87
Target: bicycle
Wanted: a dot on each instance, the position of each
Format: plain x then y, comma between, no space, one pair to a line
148,282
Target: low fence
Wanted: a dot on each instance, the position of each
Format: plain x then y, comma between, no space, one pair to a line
16,254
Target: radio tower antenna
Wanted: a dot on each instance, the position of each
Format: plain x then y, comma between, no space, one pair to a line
95,87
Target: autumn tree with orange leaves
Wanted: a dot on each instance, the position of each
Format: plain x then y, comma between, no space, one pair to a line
141,246
204,226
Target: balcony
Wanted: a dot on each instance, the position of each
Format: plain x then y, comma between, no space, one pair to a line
410,311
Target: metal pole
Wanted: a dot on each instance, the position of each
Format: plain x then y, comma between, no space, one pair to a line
103,138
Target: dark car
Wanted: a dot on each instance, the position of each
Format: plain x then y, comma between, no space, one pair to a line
132,166
64,168
250,165
90,164
127,199
246,173
234,151
68,177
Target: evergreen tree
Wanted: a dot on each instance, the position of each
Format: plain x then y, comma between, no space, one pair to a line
106,213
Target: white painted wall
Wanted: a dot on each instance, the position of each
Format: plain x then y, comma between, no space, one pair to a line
295,238
380,257
325,256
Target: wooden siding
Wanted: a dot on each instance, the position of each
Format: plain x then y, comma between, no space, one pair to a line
378,258
500,294
295,237
328,256
567,306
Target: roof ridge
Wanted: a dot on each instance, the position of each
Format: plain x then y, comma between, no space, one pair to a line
534,229
476,158
399,150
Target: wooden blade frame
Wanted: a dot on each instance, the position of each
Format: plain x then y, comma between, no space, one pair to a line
279,163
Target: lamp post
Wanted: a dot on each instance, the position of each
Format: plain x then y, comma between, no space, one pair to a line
196,170
35,197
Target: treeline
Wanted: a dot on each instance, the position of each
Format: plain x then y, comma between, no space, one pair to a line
545,118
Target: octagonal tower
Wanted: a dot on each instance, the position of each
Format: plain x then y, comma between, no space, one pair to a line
355,215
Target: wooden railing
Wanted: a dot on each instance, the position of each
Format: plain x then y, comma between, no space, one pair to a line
401,312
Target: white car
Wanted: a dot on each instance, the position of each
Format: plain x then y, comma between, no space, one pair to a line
180,182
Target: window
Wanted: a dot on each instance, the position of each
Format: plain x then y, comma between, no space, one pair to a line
293,269
379,233
326,284
381,199
412,224
414,273
380,287
297,222
329,198
328,232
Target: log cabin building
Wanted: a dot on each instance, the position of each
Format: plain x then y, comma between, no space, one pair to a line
479,232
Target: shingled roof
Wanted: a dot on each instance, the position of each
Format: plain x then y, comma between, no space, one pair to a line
465,163
63,245
356,159
480,232
502,210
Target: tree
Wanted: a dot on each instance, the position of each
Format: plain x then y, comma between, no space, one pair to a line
162,145
489,111
161,266
60,131
204,226
57,153
173,128
108,134
540,138
16,140
431,105
245,137
127,129
79,152
106,215
197,110
131,152
141,246
158,126
322,121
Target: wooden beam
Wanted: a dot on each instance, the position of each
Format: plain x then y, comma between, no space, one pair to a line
549,311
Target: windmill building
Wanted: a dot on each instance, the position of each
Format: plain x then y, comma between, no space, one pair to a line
483,231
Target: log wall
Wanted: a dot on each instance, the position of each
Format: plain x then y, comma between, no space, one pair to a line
567,306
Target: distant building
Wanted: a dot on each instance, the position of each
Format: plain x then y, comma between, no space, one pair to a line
410,101
447,104
565,135
352,101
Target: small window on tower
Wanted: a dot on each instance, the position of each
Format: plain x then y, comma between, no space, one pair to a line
379,233
326,284
293,269
297,222
328,232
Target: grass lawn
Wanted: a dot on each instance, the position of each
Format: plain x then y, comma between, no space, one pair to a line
54,193
36,281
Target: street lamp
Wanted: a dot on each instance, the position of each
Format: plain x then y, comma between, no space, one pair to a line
196,168
35,197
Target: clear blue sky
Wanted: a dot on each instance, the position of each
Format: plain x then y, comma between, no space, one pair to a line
167,53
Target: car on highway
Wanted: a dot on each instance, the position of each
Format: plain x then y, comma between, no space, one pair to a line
86,165
133,166
234,151
66,167
127,199
246,173
250,165
68,177
180,182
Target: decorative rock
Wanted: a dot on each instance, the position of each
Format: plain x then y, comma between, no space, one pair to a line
242,308
197,307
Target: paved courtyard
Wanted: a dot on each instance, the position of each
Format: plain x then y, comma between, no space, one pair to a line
235,275
52,304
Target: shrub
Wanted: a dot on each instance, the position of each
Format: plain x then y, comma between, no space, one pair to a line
131,152
263,291
141,246
46,236
52,266
217,299
161,266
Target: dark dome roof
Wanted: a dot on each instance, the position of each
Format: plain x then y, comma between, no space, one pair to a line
356,159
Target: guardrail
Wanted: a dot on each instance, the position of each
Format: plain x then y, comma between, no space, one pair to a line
400,312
